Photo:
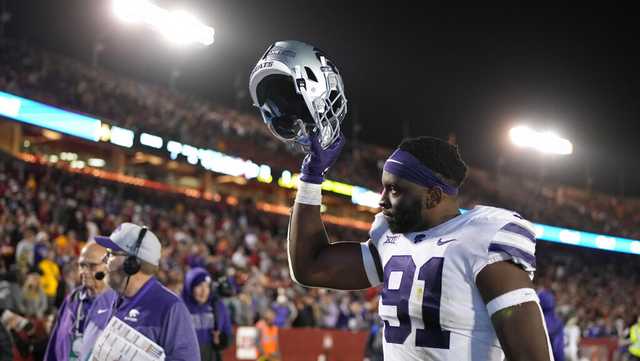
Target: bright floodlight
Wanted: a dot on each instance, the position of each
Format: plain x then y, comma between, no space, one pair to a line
545,142
177,26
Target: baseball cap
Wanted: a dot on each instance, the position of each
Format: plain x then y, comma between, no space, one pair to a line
124,239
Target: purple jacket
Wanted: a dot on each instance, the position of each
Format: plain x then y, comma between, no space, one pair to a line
154,311
555,326
76,305
205,320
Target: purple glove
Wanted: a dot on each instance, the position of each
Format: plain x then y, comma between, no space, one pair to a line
319,160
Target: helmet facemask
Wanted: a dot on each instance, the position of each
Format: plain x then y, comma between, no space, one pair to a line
330,108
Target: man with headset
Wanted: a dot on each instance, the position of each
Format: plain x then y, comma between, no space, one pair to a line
138,299
66,336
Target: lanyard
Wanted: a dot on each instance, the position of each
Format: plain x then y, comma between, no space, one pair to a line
80,296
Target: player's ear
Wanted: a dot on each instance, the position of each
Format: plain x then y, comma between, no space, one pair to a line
432,197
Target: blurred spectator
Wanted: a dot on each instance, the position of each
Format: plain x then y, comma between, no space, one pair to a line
329,311
373,346
357,319
209,314
555,327
12,327
268,336
9,289
33,300
50,275
242,310
571,339
305,312
25,250
634,337
285,311
6,344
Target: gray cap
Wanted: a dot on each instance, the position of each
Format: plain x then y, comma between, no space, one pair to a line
124,238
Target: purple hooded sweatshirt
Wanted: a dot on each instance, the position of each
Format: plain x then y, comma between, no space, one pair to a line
205,320
154,311
555,326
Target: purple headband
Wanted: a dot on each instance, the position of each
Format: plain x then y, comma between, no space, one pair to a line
406,166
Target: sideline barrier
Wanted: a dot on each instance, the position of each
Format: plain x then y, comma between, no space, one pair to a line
306,344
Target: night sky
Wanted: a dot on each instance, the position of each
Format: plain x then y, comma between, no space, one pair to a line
431,71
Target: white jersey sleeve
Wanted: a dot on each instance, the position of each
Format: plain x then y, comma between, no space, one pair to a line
370,255
508,237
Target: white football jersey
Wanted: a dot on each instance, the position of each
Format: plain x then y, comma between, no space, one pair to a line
430,305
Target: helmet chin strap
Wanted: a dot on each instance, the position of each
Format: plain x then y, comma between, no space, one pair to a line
302,127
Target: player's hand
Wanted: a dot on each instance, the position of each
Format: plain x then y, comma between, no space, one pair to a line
319,160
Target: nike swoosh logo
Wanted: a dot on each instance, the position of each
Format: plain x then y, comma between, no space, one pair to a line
394,161
441,242
102,311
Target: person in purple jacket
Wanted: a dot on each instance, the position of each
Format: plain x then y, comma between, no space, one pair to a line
138,299
66,335
555,326
210,315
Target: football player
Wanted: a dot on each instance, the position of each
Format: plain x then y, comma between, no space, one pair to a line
454,286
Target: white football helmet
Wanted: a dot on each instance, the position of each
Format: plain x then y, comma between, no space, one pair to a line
297,88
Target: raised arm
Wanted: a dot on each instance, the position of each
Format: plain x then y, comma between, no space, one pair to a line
313,260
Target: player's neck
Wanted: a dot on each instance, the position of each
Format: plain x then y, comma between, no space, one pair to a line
440,215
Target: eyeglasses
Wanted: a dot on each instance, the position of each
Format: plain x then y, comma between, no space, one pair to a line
88,265
111,253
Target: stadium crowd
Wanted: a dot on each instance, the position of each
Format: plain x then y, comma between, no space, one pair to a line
46,215
55,79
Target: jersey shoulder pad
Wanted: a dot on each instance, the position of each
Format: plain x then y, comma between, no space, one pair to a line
508,236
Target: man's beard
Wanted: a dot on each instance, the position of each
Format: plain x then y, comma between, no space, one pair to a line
116,280
406,218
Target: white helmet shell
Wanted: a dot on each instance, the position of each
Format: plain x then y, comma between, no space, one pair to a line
298,91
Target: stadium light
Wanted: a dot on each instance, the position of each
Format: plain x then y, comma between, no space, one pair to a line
544,142
178,26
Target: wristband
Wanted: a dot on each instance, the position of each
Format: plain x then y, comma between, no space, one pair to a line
309,193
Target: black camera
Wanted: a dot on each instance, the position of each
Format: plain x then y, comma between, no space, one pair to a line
221,286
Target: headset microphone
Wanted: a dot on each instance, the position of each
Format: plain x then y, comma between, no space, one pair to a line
99,275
